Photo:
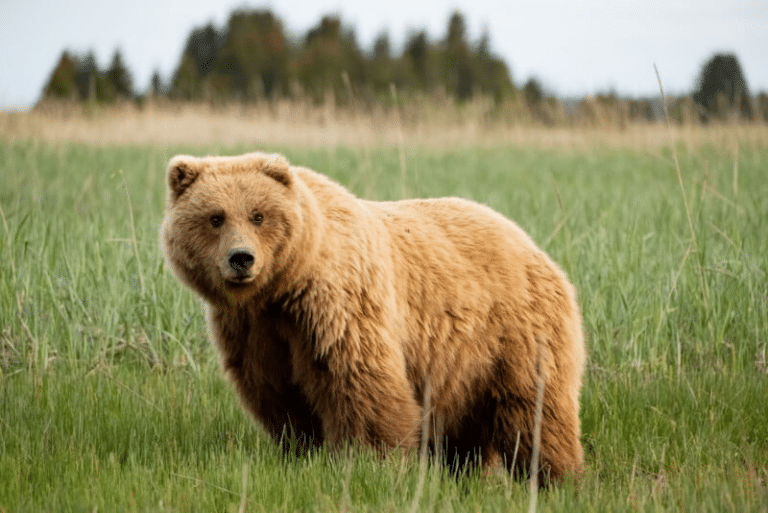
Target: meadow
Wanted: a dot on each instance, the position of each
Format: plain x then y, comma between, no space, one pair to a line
112,398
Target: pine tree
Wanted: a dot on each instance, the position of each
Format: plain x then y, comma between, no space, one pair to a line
255,55
198,60
458,72
419,57
89,81
62,84
119,78
722,88
156,87
382,68
330,51
493,76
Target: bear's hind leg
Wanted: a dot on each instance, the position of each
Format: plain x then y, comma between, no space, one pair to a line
560,453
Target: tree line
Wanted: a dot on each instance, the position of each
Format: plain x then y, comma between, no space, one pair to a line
252,59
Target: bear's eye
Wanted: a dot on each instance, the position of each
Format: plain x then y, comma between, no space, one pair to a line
216,220
257,218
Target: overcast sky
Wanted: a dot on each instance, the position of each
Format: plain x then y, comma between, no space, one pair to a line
573,47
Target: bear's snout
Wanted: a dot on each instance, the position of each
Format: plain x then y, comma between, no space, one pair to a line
241,260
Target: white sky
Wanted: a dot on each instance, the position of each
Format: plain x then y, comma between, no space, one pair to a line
575,47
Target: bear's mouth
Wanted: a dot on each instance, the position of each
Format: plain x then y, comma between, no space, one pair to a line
239,282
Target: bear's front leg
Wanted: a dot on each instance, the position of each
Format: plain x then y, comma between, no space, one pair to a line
366,398
258,362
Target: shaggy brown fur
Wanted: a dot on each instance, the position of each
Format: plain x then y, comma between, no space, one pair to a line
335,315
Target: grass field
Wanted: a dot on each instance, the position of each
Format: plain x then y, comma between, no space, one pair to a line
112,399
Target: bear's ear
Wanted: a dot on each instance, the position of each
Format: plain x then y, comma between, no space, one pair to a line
278,170
182,172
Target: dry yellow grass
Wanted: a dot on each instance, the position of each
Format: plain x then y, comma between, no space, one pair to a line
292,124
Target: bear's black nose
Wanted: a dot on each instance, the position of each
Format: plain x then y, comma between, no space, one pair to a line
240,259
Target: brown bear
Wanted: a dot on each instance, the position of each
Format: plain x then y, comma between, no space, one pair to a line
340,319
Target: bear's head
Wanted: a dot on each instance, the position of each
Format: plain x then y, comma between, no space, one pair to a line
229,223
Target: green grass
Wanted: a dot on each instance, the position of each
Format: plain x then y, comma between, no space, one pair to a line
111,397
